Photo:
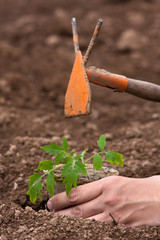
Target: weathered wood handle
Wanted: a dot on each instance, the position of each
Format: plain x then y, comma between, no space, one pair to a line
143,89
135,87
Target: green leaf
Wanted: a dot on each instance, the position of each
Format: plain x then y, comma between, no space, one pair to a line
45,165
59,158
35,187
67,159
114,158
52,149
50,183
72,153
70,176
65,145
83,153
80,168
101,142
70,180
97,162
77,157
66,169
33,179
55,146
81,156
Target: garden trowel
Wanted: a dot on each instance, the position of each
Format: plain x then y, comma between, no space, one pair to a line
78,95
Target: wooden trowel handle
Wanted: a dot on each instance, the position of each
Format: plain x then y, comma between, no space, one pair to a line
138,88
142,89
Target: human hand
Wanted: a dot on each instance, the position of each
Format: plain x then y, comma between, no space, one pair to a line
131,201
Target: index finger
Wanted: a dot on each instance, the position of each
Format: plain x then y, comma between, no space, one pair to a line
79,195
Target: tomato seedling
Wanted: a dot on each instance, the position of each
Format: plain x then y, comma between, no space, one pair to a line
72,166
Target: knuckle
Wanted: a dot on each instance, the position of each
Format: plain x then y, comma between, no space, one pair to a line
73,196
112,200
115,179
77,211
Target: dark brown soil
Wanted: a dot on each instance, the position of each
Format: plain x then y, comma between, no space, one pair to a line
36,58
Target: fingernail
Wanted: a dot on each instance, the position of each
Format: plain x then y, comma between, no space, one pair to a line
50,205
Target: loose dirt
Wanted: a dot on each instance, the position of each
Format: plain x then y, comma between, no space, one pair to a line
36,58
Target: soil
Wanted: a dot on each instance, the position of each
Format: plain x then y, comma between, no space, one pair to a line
36,58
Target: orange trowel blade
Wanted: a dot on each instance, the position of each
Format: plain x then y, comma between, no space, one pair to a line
78,95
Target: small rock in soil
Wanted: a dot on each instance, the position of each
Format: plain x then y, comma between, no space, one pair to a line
91,126
6,118
15,186
3,169
17,213
52,40
22,200
28,209
67,136
11,151
22,229
56,139
3,237
8,51
4,86
131,40
33,151
109,136
155,116
133,132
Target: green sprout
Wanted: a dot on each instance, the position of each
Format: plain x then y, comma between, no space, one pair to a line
72,166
